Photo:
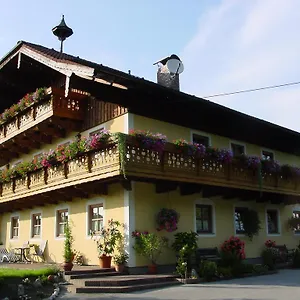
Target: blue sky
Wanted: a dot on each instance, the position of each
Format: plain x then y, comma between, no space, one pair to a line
225,45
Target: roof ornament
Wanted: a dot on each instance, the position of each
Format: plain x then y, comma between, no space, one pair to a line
62,31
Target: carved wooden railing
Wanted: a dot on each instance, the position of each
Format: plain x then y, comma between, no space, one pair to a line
54,104
145,163
174,165
87,167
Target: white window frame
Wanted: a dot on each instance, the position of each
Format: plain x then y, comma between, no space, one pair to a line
205,201
270,207
93,202
32,237
237,143
295,208
98,127
239,205
11,238
268,150
202,134
59,208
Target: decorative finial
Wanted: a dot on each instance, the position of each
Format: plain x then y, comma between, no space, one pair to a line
62,31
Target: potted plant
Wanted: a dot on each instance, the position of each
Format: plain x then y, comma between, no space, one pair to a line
121,257
68,252
150,246
167,219
107,240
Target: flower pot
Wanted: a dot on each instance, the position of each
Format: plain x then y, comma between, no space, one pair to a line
67,266
152,269
119,268
105,262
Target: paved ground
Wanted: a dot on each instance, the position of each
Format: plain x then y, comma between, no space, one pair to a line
282,286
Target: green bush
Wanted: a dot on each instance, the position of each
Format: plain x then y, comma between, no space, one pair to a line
260,269
296,259
229,259
224,272
269,256
208,269
181,267
240,269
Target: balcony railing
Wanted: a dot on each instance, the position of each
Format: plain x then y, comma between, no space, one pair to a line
53,105
145,164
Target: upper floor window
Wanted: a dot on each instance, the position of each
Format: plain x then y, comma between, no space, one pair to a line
15,224
272,221
267,155
296,214
237,149
201,139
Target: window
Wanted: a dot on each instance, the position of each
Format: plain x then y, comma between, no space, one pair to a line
61,221
15,224
238,217
96,131
296,214
204,219
201,139
272,221
95,218
267,155
36,225
237,150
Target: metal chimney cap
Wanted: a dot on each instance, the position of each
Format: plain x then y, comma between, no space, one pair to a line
163,61
62,31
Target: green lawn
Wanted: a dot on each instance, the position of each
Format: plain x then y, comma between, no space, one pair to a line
17,273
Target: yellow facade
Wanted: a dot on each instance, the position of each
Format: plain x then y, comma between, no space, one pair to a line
148,203
113,204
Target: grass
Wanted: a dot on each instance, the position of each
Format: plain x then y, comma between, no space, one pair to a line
6,273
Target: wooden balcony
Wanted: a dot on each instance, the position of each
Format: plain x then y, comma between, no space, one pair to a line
40,122
145,165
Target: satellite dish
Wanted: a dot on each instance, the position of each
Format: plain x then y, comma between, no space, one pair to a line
175,66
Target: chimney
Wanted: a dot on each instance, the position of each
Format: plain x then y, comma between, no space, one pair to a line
168,71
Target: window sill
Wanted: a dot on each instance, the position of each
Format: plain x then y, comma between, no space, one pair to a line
274,234
204,235
60,237
14,239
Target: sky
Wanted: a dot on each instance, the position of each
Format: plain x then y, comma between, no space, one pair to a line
225,46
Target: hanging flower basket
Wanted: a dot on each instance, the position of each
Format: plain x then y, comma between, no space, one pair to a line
167,219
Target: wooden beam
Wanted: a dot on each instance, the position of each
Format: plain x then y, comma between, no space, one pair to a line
189,188
212,191
126,184
165,186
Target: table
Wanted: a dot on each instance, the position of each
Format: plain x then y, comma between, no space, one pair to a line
22,254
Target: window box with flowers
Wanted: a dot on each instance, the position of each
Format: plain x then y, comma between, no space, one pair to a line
190,149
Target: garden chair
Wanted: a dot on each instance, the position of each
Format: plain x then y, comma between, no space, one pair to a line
40,250
7,256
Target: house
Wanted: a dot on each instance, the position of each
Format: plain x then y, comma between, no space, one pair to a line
84,97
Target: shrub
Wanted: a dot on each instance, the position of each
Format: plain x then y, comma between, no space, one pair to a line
260,269
296,259
208,269
269,256
224,272
232,252
240,269
181,267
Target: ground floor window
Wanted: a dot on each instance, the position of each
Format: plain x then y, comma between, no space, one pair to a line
36,225
15,224
272,221
296,214
61,221
95,216
238,219
204,219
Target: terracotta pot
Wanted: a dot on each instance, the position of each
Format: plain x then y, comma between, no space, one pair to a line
67,266
119,268
105,262
152,269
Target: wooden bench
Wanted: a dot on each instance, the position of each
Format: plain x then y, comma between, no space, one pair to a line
211,254
285,254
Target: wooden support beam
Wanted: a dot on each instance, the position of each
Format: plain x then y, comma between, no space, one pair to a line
126,184
212,191
189,188
27,143
165,186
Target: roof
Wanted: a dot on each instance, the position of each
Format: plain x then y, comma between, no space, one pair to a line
155,101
